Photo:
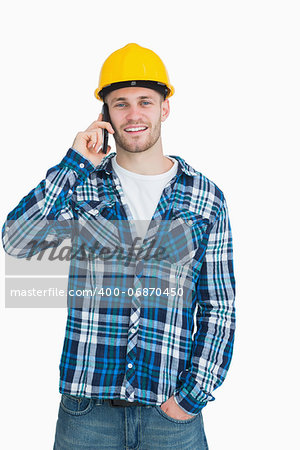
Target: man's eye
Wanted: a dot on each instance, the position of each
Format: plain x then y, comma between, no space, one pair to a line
120,104
147,102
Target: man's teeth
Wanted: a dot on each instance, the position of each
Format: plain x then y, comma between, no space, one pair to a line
136,129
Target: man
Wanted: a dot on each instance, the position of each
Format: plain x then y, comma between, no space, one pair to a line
134,376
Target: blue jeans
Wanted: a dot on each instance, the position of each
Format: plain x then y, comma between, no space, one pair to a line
95,424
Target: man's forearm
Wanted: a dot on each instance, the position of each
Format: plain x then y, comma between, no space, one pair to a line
34,218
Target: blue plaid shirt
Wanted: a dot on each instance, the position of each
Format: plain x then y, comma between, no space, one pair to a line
116,345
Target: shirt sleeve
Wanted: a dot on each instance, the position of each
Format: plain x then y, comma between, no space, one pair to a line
43,217
213,341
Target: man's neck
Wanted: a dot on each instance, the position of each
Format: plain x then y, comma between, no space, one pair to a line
144,163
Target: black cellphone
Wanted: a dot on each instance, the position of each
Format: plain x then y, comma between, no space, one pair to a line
105,118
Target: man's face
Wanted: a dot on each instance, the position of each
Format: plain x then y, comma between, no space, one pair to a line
136,114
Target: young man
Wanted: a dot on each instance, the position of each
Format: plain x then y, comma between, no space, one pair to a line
134,376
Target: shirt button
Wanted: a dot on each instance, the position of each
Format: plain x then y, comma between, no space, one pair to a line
81,165
133,330
190,222
129,365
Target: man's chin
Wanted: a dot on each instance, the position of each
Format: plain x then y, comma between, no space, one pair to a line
134,147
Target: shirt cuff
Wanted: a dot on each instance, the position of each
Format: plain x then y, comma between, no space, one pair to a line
189,396
184,402
77,162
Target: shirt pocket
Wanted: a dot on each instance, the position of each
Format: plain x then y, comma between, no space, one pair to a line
96,228
187,238
90,209
181,242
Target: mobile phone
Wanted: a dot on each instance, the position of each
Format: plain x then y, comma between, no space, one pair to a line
105,118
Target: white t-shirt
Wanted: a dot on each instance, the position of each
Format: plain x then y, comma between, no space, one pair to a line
142,192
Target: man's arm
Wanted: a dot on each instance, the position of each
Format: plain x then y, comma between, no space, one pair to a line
43,217
213,341
38,216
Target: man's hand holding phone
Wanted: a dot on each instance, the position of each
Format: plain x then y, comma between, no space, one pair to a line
89,142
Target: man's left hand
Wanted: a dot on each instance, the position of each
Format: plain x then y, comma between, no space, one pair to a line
173,410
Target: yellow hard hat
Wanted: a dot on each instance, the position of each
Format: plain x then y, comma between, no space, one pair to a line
133,65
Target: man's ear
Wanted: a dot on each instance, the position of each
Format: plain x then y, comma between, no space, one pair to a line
165,110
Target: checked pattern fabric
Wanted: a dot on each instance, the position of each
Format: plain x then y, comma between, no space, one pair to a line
151,318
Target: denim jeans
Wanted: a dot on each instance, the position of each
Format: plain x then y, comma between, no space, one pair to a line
91,424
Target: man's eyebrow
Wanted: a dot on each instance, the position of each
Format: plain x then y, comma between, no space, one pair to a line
141,97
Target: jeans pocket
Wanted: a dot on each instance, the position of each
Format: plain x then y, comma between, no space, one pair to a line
171,419
76,406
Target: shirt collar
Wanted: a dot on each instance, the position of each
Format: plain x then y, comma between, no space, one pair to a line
183,166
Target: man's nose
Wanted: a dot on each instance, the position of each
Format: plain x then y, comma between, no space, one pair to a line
133,113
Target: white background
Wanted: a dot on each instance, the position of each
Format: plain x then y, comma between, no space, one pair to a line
234,117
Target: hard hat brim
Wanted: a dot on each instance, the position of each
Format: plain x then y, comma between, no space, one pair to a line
163,89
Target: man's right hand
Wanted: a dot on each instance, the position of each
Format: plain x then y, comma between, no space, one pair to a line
89,142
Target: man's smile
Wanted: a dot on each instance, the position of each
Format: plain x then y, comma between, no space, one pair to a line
135,130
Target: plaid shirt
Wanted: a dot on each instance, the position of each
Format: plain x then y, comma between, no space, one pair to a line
116,345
